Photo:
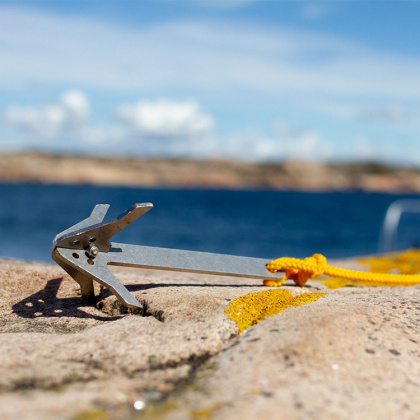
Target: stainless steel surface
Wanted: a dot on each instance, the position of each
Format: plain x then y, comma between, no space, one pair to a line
389,231
84,251
82,235
93,251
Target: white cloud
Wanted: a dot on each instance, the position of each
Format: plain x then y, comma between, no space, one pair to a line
157,127
287,142
49,121
167,127
160,127
300,143
165,118
307,145
76,104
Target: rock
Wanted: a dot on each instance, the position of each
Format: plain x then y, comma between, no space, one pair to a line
295,175
353,353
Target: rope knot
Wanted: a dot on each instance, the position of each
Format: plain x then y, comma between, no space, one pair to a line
317,263
299,270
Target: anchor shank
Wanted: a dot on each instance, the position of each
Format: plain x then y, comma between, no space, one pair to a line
187,261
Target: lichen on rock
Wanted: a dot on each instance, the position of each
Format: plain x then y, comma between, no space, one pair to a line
252,308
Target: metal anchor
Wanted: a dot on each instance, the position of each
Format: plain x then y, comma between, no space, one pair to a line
84,251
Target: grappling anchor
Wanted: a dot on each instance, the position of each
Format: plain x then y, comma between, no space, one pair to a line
84,251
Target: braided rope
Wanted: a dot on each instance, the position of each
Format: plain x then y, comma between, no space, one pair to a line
302,270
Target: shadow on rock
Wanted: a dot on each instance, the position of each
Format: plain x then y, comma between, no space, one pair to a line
45,303
140,287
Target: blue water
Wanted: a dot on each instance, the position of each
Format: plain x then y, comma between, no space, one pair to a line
264,224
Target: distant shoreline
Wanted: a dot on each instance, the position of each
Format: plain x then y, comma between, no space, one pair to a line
212,174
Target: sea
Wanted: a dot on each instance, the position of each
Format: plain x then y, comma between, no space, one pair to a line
266,224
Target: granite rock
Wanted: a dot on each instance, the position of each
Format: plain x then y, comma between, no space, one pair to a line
354,353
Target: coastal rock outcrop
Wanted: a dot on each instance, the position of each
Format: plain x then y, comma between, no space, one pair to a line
353,353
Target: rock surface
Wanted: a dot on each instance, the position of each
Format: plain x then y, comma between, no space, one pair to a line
354,353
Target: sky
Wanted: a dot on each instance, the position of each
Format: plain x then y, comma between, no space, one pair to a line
253,80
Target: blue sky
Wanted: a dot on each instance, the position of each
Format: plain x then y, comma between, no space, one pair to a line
260,80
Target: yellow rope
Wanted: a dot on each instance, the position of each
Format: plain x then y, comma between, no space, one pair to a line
302,270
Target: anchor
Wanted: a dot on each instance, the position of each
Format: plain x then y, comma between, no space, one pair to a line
84,251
